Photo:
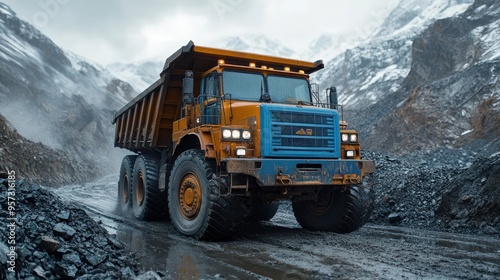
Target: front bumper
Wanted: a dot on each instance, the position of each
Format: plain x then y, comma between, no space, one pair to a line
281,172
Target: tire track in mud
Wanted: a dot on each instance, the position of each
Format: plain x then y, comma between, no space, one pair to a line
280,249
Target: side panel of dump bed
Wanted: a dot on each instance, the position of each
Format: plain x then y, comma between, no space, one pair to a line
147,121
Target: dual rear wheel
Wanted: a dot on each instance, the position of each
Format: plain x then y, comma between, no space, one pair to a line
138,188
195,207
125,183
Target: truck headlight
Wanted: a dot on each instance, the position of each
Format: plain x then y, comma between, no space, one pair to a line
349,154
345,137
349,137
246,134
241,152
236,134
226,133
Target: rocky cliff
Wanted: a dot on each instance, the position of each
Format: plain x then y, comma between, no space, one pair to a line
451,95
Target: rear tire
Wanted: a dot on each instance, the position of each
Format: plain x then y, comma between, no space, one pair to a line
147,200
195,205
125,184
337,211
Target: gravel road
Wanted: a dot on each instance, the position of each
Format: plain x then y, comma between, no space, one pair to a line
280,249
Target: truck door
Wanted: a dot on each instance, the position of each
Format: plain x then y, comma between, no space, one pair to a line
210,99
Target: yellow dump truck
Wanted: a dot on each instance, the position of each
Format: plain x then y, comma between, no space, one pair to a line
224,135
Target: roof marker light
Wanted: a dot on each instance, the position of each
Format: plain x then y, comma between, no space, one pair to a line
252,64
221,61
263,67
287,69
302,72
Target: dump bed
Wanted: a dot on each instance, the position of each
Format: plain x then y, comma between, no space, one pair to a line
146,121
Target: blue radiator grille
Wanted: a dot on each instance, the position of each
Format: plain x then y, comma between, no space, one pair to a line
291,131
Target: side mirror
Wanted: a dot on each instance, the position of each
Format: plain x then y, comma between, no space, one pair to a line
188,87
333,98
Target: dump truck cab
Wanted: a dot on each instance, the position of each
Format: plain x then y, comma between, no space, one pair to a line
241,130
261,121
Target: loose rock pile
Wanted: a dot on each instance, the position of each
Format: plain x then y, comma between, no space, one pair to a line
444,189
472,201
54,240
38,163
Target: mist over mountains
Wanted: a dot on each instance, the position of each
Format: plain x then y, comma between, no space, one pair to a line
57,98
424,76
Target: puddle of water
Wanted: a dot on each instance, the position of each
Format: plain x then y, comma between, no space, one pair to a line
182,258
473,247
100,195
462,242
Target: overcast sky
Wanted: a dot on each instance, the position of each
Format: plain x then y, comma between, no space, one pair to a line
108,31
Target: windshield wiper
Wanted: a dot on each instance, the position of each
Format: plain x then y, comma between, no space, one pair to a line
264,97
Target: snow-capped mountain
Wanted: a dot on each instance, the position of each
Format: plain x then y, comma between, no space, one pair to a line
255,44
375,68
486,34
53,96
327,46
413,16
24,48
139,75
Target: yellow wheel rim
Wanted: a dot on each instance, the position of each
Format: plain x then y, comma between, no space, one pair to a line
190,197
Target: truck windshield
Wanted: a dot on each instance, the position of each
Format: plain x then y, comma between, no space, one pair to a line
251,86
243,85
288,89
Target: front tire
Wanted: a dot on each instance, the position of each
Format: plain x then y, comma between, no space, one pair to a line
147,200
195,205
337,211
125,183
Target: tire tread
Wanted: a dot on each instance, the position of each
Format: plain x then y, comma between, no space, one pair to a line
154,203
224,213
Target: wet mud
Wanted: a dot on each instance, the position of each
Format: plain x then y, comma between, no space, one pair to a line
280,249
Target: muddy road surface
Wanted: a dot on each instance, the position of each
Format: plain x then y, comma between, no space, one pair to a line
280,249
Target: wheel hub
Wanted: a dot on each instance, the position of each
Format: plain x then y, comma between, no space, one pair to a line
190,197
